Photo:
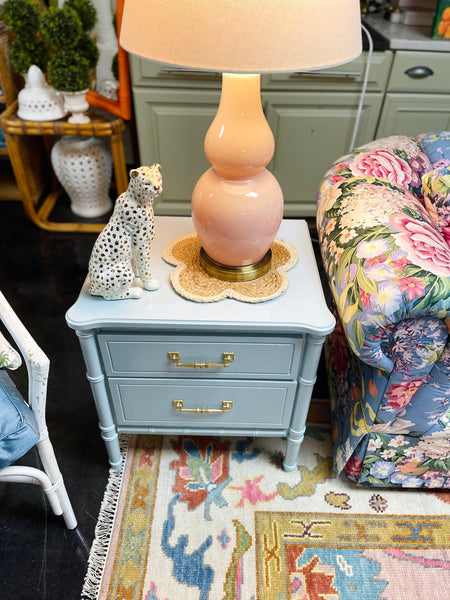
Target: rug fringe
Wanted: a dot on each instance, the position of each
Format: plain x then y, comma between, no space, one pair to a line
103,529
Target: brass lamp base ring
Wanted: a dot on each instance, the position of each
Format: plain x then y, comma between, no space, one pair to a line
226,273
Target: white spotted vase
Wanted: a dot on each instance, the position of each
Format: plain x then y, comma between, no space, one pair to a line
83,166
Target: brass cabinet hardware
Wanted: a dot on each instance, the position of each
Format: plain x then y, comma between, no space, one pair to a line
228,357
226,405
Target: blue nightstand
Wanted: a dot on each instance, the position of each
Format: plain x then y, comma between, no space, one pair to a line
166,365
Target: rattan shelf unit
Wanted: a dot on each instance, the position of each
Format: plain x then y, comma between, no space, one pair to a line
13,130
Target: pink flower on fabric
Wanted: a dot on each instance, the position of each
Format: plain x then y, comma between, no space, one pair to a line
353,466
370,262
383,164
423,243
400,394
337,178
400,263
413,287
365,298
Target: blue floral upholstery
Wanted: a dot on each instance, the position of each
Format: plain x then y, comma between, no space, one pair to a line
387,260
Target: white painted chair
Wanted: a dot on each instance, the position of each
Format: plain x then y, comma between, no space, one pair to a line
37,363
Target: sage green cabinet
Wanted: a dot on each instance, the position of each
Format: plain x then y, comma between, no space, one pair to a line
412,114
311,115
312,129
418,94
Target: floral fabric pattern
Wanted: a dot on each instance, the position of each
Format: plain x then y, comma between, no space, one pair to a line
9,358
388,265
436,187
436,146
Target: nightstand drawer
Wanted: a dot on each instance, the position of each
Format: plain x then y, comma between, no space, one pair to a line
200,356
150,403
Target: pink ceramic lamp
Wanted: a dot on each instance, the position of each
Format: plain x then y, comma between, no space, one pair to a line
237,205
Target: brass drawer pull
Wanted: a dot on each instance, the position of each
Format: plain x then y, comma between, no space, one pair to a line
226,405
228,357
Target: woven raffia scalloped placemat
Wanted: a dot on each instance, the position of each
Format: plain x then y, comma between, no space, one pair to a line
191,281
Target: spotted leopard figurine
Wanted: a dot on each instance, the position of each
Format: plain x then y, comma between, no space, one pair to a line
122,250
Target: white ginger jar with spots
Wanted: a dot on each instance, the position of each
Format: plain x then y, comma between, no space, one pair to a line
83,166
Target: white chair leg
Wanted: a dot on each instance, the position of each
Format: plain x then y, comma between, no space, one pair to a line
20,474
67,510
51,467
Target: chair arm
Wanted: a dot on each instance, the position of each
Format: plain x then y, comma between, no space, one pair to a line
35,359
385,259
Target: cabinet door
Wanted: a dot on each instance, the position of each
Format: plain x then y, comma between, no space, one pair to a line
311,131
412,114
171,126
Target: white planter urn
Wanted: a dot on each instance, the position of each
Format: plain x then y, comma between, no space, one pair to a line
83,166
76,104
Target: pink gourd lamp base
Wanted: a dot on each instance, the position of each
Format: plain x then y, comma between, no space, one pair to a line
237,205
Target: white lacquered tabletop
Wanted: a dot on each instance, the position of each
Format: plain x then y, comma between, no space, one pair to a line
302,307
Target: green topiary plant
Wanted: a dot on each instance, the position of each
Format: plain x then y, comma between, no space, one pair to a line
68,71
86,11
61,27
75,54
115,66
24,53
28,48
57,40
88,48
21,16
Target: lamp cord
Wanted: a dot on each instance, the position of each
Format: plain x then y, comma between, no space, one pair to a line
364,87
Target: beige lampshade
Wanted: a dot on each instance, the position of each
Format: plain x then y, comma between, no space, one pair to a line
243,36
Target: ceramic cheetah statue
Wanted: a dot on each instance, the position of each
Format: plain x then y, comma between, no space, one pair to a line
122,250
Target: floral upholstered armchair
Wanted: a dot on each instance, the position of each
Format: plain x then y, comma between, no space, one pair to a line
384,231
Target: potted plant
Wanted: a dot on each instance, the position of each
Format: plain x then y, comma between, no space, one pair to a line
23,18
73,53
59,42
28,54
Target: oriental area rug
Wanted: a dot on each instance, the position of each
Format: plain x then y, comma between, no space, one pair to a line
203,518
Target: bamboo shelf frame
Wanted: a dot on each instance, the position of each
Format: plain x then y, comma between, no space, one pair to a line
14,128
11,83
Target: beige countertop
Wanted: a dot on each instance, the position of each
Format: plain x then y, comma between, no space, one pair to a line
406,37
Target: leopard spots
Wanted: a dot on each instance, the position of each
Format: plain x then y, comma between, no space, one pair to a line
122,250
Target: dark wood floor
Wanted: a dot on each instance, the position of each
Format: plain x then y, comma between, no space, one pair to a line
40,275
